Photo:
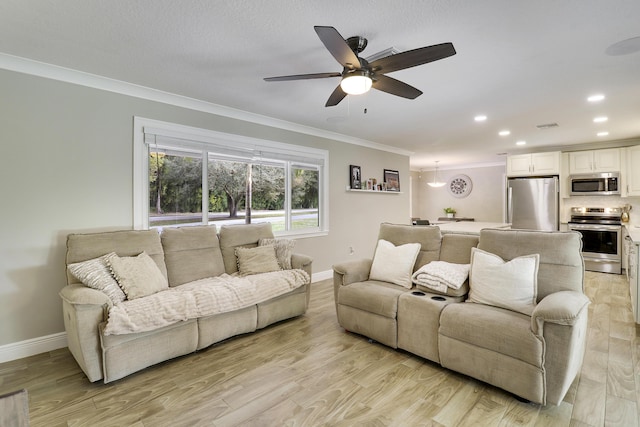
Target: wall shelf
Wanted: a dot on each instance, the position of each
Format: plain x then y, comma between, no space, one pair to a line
373,191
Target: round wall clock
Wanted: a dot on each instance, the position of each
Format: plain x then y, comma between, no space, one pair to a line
460,186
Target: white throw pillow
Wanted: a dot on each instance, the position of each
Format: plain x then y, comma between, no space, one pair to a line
137,276
95,274
394,264
512,285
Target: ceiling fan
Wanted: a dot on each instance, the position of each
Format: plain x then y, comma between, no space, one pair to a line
358,75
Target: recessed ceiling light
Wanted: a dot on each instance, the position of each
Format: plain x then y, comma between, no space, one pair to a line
602,133
521,142
504,132
595,98
601,119
480,118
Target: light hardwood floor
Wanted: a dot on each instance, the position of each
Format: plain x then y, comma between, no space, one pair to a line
308,372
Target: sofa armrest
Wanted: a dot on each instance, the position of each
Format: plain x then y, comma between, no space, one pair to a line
561,308
79,294
84,309
560,322
302,262
352,271
349,272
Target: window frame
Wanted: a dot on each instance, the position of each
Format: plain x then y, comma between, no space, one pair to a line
206,141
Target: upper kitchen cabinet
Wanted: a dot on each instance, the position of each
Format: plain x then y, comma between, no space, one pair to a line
534,164
594,161
631,184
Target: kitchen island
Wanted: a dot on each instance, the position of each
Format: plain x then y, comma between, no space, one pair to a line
468,227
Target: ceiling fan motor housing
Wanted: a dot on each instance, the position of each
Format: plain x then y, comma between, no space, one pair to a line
357,43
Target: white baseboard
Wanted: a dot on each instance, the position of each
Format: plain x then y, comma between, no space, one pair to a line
52,342
321,275
32,347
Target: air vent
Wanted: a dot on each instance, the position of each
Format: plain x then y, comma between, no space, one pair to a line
547,126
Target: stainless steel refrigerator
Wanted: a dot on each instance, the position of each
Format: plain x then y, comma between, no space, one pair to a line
532,203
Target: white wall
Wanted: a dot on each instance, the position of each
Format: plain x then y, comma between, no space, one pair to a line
67,167
484,203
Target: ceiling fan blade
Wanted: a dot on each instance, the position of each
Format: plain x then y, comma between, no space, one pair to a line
338,47
302,77
412,58
395,87
336,96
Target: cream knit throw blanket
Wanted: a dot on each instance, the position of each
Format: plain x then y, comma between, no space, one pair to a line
200,298
440,275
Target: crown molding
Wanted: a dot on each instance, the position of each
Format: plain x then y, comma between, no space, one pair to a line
68,75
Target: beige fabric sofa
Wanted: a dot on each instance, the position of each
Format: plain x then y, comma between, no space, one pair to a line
183,255
535,357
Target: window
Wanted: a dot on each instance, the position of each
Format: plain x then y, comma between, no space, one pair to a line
188,176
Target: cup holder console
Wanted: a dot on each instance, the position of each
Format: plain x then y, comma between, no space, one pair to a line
435,298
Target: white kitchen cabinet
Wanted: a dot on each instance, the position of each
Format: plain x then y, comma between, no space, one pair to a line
631,177
534,164
607,160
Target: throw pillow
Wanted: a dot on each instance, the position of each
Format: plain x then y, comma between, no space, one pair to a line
261,259
394,264
284,249
512,285
95,274
137,276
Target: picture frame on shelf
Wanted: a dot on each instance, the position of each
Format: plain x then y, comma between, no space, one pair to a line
355,177
392,179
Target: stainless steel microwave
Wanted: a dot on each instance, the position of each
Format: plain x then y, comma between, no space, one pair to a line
595,184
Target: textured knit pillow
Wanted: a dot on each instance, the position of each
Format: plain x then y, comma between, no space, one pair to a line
284,249
137,276
394,264
512,285
95,274
261,259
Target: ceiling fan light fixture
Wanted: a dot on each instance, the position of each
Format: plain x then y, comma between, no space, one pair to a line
356,82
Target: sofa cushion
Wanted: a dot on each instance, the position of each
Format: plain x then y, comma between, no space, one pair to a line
137,276
284,250
95,273
261,259
394,264
428,237
561,264
492,328
241,235
372,296
81,247
507,284
191,253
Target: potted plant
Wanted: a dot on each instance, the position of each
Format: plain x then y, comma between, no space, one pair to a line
450,212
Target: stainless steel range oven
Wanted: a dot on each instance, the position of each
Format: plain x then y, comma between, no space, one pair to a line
601,230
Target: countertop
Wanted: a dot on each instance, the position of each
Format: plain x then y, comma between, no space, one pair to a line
469,227
634,233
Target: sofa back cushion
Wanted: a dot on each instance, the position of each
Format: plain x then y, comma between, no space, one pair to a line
429,238
456,248
191,253
83,247
561,265
241,235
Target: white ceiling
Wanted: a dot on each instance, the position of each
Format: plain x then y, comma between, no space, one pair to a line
521,63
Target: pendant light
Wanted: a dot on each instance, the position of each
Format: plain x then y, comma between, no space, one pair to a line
435,182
